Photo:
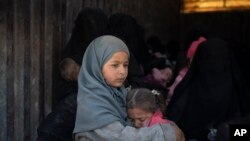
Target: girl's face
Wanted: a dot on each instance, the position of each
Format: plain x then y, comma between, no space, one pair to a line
167,73
140,118
115,70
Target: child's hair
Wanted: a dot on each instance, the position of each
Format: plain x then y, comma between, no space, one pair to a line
69,69
145,99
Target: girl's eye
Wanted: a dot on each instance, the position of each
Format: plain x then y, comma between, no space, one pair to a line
142,120
132,120
125,65
115,65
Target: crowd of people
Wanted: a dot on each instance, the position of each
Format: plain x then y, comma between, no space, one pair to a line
119,85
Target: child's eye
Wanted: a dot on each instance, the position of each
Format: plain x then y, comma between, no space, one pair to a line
131,120
125,65
115,65
142,119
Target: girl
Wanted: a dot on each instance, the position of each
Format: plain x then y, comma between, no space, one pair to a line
145,107
101,113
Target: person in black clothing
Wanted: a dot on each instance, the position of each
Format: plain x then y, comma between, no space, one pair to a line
89,24
59,124
212,92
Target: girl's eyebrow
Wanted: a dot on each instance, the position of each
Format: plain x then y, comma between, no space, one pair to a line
116,61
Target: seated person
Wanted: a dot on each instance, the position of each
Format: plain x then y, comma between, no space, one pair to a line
145,108
59,124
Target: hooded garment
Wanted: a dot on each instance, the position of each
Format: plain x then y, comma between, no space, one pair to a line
126,28
97,103
89,24
193,47
211,92
190,54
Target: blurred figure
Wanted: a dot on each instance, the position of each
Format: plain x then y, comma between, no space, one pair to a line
69,69
190,54
159,72
89,24
213,91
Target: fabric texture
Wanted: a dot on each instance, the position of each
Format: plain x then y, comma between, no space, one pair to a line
89,24
193,47
97,103
59,124
190,54
157,118
178,79
117,132
211,92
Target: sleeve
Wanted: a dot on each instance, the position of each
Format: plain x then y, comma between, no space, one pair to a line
117,132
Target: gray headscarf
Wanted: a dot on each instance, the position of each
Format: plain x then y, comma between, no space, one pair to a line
97,103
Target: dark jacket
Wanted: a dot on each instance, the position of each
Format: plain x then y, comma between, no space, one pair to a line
59,124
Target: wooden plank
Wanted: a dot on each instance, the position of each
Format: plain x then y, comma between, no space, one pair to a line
35,89
58,11
18,70
10,68
72,10
3,70
27,66
47,54
41,62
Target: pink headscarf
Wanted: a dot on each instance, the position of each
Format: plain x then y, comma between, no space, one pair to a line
190,54
193,47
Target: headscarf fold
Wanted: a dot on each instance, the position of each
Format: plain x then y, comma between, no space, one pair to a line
97,103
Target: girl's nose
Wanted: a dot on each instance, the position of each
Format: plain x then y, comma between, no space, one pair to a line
122,70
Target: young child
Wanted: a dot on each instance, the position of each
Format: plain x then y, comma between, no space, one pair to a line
101,98
145,107
69,69
160,76
58,125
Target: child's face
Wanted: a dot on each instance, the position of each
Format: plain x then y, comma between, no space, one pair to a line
167,73
140,118
115,70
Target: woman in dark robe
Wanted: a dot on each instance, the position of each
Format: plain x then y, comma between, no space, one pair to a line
89,24
211,92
